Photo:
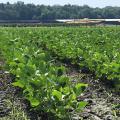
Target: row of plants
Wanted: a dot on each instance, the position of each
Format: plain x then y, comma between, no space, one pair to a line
97,49
47,24
45,84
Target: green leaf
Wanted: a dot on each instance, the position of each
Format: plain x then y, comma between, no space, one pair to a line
18,84
34,102
79,88
81,105
79,85
57,94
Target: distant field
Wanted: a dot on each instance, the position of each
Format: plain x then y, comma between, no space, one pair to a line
46,24
57,24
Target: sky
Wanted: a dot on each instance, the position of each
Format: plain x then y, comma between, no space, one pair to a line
92,3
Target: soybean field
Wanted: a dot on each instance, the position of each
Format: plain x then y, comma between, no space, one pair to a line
64,73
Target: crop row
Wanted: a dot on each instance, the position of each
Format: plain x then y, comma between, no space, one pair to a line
97,49
44,83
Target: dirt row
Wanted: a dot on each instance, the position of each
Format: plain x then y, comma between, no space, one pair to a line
103,102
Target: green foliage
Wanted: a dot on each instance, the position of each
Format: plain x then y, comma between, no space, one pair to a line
44,84
30,55
93,48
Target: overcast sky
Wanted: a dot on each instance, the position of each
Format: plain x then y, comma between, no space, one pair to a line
92,3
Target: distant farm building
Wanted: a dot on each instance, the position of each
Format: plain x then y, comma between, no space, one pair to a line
84,21
92,21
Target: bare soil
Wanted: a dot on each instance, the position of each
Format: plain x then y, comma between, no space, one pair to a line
103,100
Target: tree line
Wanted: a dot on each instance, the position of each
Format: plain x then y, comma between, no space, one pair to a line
21,11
